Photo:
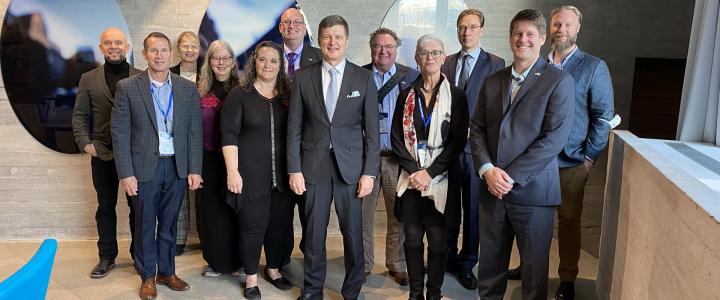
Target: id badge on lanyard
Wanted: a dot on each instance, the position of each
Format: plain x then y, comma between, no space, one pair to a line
422,153
384,118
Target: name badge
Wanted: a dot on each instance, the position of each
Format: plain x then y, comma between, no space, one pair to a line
384,124
422,153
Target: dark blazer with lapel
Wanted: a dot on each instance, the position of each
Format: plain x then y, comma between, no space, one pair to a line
593,104
524,138
134,128
486,64
176,70
94,102
406,82
309,55
353,131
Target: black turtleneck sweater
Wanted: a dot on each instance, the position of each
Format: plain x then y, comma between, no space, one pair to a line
114,72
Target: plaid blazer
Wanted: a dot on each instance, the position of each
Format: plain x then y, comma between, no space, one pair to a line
135,134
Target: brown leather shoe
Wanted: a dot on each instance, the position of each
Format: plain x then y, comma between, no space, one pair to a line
173,282
148,290
400,277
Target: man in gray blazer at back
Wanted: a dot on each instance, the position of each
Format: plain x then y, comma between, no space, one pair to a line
157,139
91,126
333,152
522,121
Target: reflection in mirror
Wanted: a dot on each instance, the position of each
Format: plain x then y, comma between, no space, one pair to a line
44,49
411,19
259,23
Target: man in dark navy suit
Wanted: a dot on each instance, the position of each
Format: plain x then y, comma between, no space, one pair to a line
522,121
467,70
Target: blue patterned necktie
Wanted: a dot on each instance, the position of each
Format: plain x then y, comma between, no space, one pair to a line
332,93
292,56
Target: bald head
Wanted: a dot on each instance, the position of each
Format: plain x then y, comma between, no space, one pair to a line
292,28
113,44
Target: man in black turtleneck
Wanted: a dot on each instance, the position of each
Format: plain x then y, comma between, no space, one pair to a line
91,126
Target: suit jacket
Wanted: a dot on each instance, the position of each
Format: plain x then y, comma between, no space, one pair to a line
525,137
593,104
93,103
353,131
487,63
135,133
406,82
309,56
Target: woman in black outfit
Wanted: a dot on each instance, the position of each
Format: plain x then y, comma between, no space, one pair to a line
429,131
217,223
253,135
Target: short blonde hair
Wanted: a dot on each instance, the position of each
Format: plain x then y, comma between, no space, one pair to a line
570,8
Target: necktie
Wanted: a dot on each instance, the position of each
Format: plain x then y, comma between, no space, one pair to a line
464,71
516,84
332,93
292,56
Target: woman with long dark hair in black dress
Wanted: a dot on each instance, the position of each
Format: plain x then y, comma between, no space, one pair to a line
253,135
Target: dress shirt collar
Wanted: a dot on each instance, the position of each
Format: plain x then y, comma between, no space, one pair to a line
521,76
389,73
474,53
297,51
561,65
340,67
160,84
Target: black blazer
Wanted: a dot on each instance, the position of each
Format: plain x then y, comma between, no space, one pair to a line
407,81
176,70
94,102
353,131
309,56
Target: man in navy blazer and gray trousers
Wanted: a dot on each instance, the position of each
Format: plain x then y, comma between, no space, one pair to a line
467,70
157,141
333,154
521,123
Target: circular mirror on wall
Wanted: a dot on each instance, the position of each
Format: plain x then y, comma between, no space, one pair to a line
411,19
243,24
45,47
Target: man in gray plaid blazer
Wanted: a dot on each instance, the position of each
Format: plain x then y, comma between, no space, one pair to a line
157,141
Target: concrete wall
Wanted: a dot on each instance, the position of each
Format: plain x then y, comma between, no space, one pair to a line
657,242
46,193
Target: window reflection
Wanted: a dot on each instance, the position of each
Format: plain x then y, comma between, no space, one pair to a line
45,48
411,19
260,22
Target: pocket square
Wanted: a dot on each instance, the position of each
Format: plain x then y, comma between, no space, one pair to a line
354,94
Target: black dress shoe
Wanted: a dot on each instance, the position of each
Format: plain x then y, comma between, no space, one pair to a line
515,274
467,279
252,293
103,268
280,283
566,291
179,249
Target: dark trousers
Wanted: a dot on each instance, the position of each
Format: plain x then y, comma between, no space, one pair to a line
157,204
467,258
263,220
500,223
298,200
437,255
348,206
217,222
105,182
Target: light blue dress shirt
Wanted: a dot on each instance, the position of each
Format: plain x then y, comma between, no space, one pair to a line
387,106
161,93
472,60
562,64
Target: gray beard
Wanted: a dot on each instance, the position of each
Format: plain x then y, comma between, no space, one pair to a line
561,47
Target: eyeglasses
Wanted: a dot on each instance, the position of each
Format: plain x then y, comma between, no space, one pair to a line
378,47
433,53
462,29
221,59
296,23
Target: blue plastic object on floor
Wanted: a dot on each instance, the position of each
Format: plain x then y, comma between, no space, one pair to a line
31,281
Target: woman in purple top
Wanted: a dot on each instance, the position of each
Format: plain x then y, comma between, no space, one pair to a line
216,221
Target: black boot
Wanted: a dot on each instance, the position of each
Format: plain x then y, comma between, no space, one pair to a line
436,262
414,260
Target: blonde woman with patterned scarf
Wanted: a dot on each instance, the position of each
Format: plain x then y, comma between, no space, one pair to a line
429,131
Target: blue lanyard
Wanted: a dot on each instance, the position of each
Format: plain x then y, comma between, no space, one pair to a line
426,122
166,112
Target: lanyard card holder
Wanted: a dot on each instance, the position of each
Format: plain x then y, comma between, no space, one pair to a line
422,153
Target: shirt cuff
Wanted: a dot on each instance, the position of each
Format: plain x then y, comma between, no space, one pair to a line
485,168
